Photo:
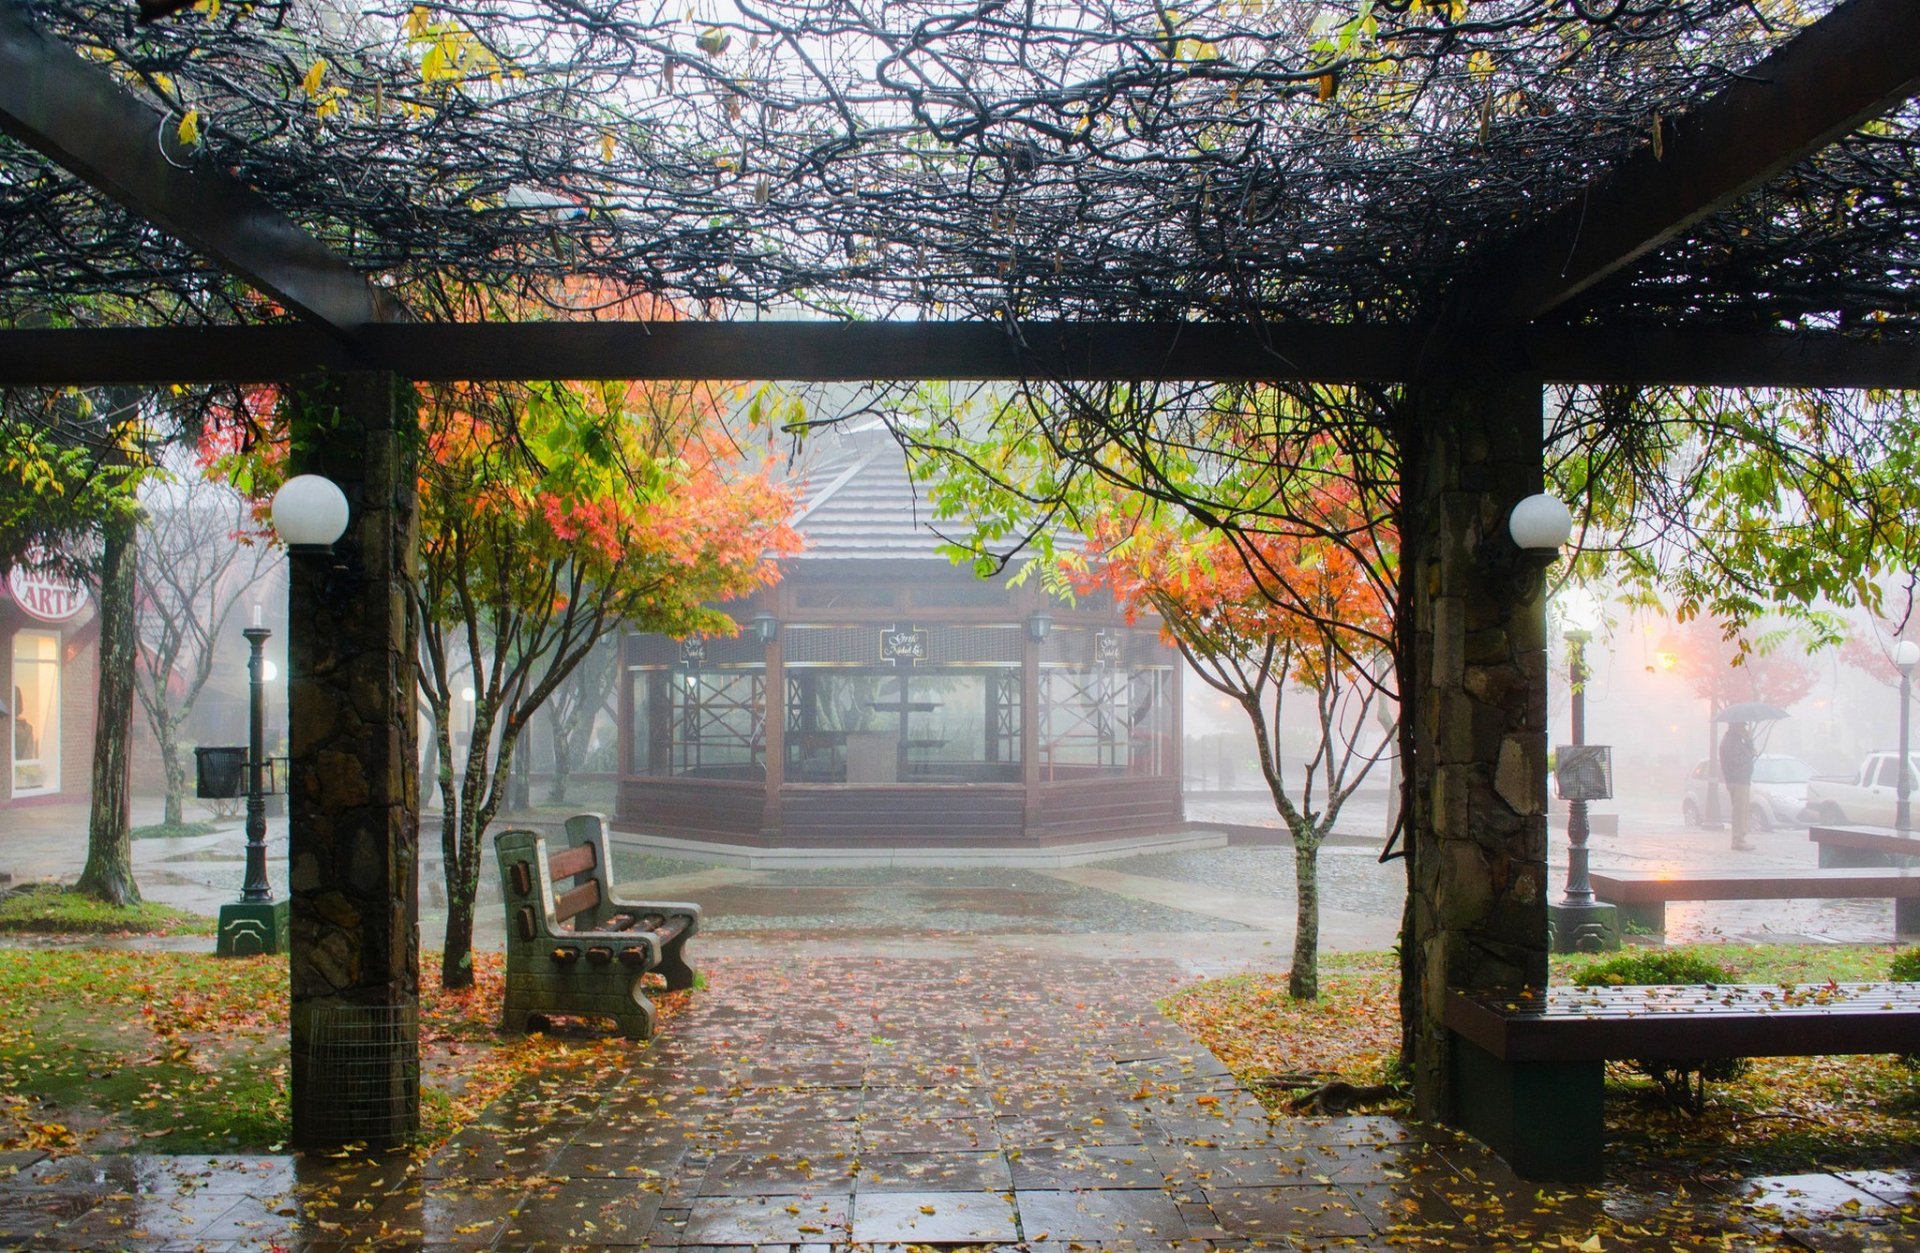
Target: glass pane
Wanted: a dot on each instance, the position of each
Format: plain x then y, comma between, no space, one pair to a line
719,724
36,712
921,726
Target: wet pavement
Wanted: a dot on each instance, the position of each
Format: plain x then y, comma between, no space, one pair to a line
941,1058
982,1100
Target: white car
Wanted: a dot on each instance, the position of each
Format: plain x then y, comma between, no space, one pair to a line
1778,794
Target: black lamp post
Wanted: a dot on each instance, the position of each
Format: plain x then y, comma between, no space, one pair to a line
1905,655
256,923
1579,882
1577,922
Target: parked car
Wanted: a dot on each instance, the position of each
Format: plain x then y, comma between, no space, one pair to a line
1778,794
1868,796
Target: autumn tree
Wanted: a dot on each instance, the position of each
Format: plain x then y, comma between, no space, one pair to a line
551,515
1327,645
197,561
69,480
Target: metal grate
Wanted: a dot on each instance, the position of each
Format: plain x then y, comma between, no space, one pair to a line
364,1061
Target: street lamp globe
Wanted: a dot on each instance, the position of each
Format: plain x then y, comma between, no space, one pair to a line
1906,655
310,513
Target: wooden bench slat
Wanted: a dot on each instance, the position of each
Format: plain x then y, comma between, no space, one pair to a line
577,900
571,863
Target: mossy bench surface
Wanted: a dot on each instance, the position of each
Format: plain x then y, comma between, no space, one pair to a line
573,947
1529,1067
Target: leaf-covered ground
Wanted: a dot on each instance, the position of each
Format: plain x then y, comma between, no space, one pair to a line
109,1049
1782,1115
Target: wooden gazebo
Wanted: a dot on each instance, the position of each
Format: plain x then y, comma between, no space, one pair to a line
881,696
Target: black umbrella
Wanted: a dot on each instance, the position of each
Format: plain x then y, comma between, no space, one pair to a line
1751,711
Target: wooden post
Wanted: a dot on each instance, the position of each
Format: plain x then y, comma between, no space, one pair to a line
353,829
1476,697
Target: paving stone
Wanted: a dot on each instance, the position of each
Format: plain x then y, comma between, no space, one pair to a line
760,1220
933,1218
929,1135
1104,1215
772,1174
584,1211
1087,1166
1314,1211
953,1171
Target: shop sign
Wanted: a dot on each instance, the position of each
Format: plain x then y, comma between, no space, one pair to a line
904,645
45,596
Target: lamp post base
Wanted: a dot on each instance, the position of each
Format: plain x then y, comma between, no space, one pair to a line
250,928
1593,928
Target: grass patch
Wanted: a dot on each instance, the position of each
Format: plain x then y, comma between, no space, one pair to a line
1785,1113
187,1053
174,830
51,909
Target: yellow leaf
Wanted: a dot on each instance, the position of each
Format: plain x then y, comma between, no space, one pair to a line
606,145
926,1209
418,21
190,127
315,72
1325,85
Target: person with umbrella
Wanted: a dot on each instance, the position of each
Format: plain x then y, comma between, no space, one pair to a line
1736,771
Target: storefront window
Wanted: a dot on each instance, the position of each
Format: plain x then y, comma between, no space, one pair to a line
36,712
889,726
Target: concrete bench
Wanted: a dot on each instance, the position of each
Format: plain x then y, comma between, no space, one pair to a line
1642,896
1529,1068
573,947
1852,847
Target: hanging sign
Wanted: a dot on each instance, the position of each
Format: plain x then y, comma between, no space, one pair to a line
693,651
1106,648
904,645
45,596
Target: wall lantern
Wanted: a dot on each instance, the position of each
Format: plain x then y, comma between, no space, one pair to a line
1039,626
1540,524
310,513
766,627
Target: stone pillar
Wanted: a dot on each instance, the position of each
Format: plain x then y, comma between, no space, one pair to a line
353,821
1475,685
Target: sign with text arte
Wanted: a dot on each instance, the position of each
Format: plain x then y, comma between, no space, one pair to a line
904,645
45,596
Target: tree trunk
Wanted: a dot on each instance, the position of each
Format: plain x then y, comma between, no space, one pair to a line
166,732
1303,981
562,761
108,874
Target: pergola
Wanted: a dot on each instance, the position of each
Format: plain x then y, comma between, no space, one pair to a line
1462,198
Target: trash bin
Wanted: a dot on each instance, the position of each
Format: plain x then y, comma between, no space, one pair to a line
220,773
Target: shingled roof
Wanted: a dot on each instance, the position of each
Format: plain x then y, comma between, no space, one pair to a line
858,503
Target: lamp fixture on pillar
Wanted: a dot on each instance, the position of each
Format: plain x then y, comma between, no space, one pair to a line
766,627
1536,527
310,513
1039,626
1906,654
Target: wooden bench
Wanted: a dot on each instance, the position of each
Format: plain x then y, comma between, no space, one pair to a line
1529,1069
1642,896
1852,847
573,948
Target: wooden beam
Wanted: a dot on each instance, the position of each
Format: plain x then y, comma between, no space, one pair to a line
1853,65
788,351
861,351
76,115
